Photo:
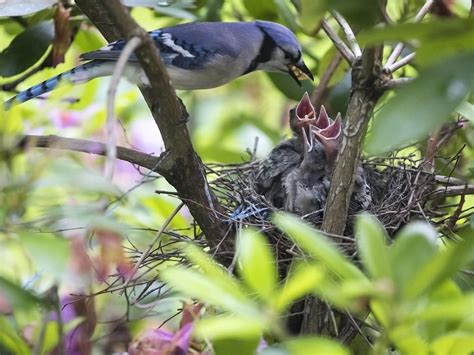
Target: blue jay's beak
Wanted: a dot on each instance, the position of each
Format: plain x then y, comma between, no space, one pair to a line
300,72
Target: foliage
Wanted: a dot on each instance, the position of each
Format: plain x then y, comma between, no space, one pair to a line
69,237
407,287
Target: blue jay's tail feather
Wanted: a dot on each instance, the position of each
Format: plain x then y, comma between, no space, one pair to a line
79,74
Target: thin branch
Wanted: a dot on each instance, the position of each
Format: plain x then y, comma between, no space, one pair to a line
424,10
402,62
151,245
38,346
60,349
114,81
467,189
144,160
395,54
397,50
320,90
338,42
396,83
349,34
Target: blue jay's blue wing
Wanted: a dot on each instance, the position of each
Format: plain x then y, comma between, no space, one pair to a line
173,51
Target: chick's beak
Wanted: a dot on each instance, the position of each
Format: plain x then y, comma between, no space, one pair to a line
300,71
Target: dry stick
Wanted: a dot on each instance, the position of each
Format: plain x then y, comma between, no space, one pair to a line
150,246
339,43
119,69
397,50
349,34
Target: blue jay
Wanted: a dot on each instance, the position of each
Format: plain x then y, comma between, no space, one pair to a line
198,55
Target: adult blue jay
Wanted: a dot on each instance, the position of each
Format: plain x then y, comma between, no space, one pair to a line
198,55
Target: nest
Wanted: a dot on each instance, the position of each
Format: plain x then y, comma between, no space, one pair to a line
401,192
401,189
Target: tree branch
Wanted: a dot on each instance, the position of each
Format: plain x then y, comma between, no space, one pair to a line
320,90
365,74
181,166
144,160
338,42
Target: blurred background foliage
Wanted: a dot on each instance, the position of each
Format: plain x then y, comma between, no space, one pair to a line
63,225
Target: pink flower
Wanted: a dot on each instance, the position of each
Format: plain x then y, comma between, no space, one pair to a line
65,118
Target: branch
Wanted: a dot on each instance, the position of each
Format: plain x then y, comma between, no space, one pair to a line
467,189
182,168
346,28
397,50
150,246
395,83
401,63
365,74
338,42
114,81
133,156
320,90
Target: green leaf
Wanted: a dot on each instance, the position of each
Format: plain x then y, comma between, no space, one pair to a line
26,49
370,237
449,310
466,109
211,269
453,343
440,267
314,345
436,39
261,9
17,296
235,346
413,247
49,253
358,13
256,263
407,340
229,326
422,105
300,282
23,7
10,339
194,284
318,246
287,13
311,14
288,86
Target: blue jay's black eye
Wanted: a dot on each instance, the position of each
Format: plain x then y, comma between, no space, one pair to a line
298,57
292,58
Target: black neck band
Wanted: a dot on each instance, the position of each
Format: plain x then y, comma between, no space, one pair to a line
264,53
